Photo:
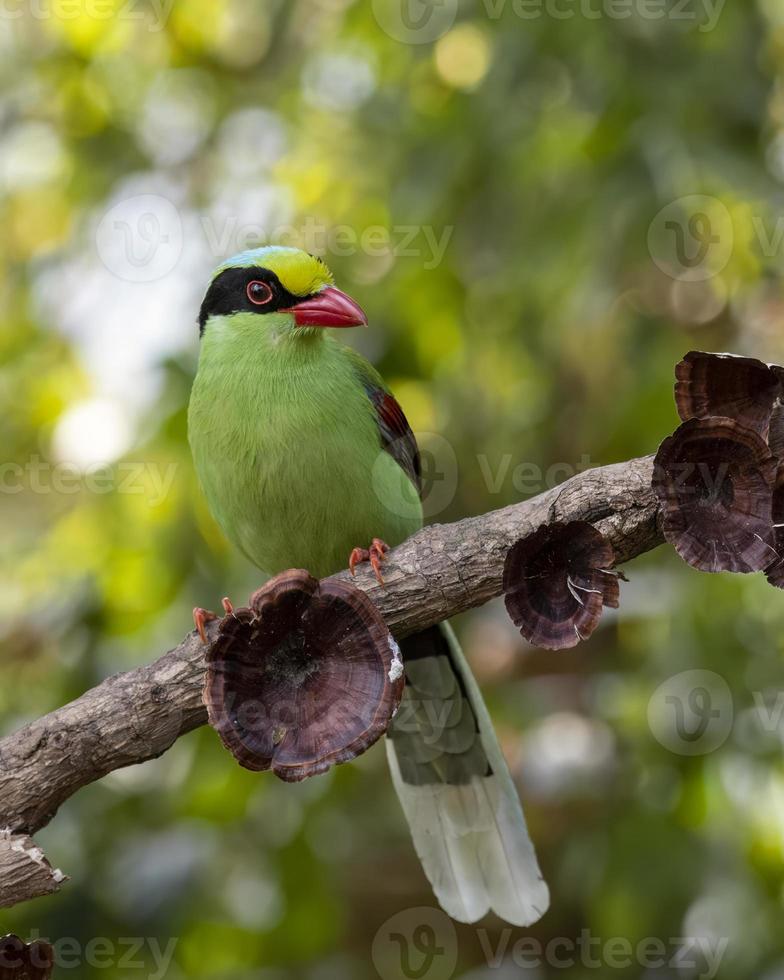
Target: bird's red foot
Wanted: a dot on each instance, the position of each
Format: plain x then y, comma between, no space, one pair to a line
375,555
203,616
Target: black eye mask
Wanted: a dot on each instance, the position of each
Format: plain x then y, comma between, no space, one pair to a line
228,293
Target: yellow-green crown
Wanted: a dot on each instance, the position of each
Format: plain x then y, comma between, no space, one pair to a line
301,273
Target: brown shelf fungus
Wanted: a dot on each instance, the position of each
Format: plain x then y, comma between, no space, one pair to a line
305,678
25,961
557,581
728,386
776,433
714,479
775,572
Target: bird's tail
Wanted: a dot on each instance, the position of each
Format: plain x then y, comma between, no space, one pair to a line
454,785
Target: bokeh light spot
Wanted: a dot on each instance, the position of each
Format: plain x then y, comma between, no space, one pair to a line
463,56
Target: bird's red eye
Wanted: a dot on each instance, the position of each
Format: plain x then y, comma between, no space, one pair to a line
259,292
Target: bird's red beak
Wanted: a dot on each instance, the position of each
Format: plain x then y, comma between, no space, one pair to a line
328,308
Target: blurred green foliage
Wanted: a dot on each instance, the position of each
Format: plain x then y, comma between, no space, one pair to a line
540,150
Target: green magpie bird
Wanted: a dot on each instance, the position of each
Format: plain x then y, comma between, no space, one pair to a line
306,458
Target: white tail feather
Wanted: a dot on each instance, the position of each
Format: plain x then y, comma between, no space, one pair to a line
472,839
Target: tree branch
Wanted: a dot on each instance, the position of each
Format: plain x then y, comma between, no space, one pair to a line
439,572
24,871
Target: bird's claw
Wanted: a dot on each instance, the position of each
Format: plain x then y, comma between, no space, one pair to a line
203,616
375,555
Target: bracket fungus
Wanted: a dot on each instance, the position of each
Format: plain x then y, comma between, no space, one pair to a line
305,678
557,581
775,572
25,961
727,386
714,479
776,433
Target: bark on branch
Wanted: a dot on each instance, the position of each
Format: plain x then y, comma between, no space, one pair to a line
138,715
24,871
